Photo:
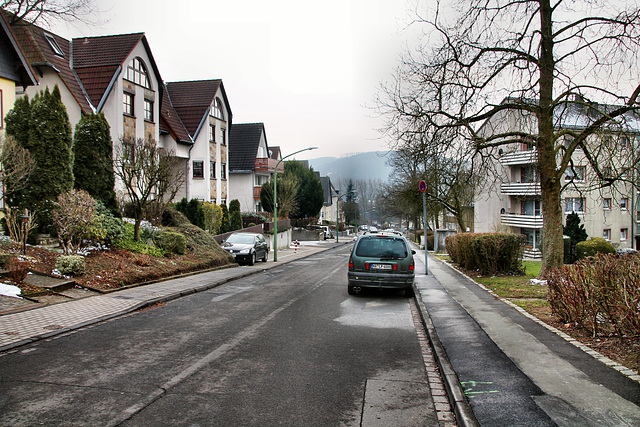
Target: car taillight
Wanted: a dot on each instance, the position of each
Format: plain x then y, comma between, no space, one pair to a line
395,267
412,266
366,265
350,263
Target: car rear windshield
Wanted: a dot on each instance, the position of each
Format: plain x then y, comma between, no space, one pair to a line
381,247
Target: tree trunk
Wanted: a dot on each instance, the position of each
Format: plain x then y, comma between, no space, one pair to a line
552,245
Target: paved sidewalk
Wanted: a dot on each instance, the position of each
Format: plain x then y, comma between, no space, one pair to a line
43,321
514,369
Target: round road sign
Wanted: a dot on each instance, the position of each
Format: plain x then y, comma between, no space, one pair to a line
423,186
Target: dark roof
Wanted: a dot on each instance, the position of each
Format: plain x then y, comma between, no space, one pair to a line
39,52
328,190
170,121
98,60
244,140
13,64
192,100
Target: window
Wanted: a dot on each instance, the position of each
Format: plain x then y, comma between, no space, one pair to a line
574,204
137,73
223,171
624,232
212,170
607,203
216,109
574,173
198,169
54,45
212,133
624,142
148,110
624,203
128,104
1,112
606,233
224,136
529,174
638,216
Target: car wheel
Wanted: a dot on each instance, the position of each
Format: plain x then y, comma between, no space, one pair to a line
266,256
252,260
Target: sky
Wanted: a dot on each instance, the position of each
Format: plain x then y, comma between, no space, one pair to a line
308,70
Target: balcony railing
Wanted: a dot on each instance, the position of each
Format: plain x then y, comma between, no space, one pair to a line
521,189
521,220
267,164
520,158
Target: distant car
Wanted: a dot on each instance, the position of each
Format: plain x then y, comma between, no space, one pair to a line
381,261
247,247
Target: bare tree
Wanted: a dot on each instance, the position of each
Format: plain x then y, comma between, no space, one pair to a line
47,11
148,175
535,62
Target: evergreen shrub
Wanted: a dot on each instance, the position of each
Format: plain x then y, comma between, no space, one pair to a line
596,245
71,265
171,242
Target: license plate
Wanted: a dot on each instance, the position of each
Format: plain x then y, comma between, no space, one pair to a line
381,266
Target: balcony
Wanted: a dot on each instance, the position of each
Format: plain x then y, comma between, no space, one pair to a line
520,158
521,189
522,221
267,164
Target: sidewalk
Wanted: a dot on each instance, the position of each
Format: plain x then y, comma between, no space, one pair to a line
513,369
43,321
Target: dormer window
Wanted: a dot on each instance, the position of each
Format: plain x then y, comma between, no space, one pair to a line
216,111
54,45
137,73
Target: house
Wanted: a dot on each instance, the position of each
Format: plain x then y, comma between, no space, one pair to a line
203,108
513,203
329,211
251,164
15,71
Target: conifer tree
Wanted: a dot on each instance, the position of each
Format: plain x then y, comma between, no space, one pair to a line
93,159
225,226
50,145
235,216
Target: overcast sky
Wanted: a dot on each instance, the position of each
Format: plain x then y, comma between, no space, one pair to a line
306,69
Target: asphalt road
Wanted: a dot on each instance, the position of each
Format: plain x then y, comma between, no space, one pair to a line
284,347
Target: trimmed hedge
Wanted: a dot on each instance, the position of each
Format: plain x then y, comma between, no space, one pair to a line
489,253
597,245
600,294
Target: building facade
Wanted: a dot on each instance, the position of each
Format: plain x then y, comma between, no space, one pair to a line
513,201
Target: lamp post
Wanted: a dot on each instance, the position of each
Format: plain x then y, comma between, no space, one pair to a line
275,201
24,218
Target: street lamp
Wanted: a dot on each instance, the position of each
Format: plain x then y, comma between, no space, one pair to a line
275,201
24,218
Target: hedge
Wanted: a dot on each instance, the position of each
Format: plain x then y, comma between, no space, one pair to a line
596,245
489,253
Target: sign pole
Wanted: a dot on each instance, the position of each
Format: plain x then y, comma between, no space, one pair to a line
423,189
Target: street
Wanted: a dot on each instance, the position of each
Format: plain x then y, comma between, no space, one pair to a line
287,346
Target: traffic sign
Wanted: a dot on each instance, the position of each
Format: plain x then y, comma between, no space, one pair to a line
423,186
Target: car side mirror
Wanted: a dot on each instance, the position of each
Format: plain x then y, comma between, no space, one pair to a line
413,252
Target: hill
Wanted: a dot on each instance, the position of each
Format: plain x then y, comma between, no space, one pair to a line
371,165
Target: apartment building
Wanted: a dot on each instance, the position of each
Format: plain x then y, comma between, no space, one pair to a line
512,202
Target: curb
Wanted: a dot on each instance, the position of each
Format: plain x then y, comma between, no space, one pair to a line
150,302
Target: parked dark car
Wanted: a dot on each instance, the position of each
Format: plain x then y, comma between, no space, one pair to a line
381,261
247,247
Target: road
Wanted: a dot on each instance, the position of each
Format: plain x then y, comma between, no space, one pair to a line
284,347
